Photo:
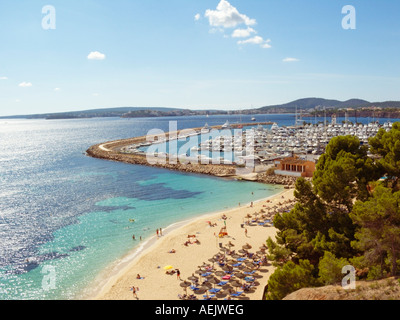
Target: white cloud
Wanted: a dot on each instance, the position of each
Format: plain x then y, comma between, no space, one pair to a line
57,89
290,60
266,45
227,16
25,84
197,17
3,78
243,33
256,40
95,55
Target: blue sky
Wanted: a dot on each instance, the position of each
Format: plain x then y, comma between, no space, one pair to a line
226,54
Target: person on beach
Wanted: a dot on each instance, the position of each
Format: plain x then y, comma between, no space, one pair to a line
160,232
178,274
134,290
245,232
157,233
133,237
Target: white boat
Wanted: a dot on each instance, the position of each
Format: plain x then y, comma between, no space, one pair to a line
274,126
205,129
226,125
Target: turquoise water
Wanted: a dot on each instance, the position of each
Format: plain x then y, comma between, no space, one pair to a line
102,237
65,217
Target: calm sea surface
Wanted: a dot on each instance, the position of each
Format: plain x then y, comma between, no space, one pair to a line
65,217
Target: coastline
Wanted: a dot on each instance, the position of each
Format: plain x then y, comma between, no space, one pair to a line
111,151
152,255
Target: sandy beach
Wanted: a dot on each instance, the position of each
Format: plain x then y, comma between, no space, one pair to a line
155,284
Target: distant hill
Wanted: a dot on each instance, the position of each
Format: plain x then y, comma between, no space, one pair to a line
107,112
312,103
307,105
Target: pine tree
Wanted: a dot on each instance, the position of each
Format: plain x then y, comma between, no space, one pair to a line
289,278
379,233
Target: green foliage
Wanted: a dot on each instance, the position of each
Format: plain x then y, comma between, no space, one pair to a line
343,172
289,278
345,217
279,255
330,268
387,146
376,272
379,233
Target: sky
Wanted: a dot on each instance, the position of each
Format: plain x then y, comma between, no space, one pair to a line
69,55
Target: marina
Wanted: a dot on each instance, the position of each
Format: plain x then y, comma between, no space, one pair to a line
257,142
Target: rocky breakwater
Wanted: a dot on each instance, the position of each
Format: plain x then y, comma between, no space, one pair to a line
111,151
286,181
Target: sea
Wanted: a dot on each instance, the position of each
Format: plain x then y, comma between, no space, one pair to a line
67,220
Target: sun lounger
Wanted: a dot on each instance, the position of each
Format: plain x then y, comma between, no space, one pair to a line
206,274
214,290
250,273
237,294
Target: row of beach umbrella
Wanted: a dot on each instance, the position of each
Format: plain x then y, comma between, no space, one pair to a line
209,276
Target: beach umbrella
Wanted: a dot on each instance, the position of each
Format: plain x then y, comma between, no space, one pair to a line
227,268
236,284
202,289
247,246
229,291
213,280
242,251
230,244
263,247
193,277
240,275
220,273
168,267
185,285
